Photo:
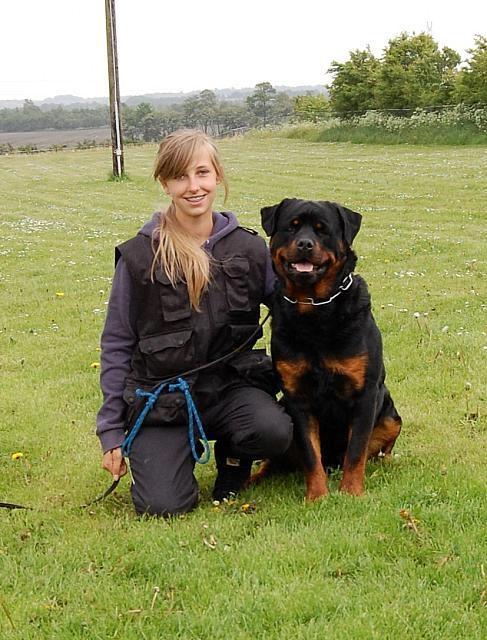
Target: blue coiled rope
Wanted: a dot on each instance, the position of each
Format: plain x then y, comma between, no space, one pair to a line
193,416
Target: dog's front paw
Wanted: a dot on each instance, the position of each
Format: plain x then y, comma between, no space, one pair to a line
352,487
316,487
312,496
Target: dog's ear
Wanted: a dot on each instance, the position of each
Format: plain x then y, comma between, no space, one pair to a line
351,222
269,215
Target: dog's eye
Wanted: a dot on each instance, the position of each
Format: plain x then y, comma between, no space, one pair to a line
294,224
319,228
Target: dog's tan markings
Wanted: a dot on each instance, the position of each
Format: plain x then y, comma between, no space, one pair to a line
353,475
384,436
353,368
304,308
262,472
382,439
316,478
324,287
277,258
291,372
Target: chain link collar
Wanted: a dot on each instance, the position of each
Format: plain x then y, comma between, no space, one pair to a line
346,284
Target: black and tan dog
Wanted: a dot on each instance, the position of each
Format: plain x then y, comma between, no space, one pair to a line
326,346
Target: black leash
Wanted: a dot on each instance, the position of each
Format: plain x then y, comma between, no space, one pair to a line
11,505
114,485
103,495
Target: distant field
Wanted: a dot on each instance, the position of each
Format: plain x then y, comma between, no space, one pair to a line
408,560
46,139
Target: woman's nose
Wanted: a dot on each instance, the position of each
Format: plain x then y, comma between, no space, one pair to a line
193,183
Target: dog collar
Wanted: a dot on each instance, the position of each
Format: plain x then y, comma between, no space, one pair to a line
346,284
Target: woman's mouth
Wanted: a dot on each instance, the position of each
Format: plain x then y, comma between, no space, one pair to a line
195,199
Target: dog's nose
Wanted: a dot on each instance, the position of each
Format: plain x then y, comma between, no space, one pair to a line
304,244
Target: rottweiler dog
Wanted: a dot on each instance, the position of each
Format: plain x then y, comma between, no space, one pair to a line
326,347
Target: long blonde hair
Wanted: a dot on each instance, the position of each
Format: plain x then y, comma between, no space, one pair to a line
175,250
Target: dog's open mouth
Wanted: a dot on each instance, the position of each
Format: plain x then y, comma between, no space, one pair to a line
305,267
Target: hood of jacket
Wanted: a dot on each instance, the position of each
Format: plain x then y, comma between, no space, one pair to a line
224,222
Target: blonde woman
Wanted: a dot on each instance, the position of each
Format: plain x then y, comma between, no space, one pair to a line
187,290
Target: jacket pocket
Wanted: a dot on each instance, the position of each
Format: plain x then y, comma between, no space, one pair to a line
167,354
236,272
174,300
169,410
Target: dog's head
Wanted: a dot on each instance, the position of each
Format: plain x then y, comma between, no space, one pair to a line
310,242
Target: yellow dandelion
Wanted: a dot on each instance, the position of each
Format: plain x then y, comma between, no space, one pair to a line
59,294
94,365
17,455
98,349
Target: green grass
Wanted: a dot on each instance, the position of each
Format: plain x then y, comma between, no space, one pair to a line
393,131
426,135
281,569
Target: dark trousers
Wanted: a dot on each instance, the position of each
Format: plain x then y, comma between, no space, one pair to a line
249,422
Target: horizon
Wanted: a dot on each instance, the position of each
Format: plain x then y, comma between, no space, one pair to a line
159,93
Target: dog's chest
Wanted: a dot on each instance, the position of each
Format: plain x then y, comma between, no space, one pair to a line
315,377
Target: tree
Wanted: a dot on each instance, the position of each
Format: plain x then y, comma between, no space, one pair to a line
201,110
311,108
415,73
471,82
207,109
353,87
143,123
30,108
281,108
231,116
259,103
32,117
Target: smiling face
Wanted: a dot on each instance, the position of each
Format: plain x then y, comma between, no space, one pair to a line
193,192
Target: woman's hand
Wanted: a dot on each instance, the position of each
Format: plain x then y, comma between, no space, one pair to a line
114,462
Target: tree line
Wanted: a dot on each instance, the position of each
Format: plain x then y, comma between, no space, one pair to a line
31,118
412,73
265,106
146,123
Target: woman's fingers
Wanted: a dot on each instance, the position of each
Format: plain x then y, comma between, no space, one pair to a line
114,463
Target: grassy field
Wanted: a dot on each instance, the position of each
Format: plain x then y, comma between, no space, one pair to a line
408,560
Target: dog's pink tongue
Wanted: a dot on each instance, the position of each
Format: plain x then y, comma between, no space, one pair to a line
302,266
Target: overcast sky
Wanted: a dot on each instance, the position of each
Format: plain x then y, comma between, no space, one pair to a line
53,47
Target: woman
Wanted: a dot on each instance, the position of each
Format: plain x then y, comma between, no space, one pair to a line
187,290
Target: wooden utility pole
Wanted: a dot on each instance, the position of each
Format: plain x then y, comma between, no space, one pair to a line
115,115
